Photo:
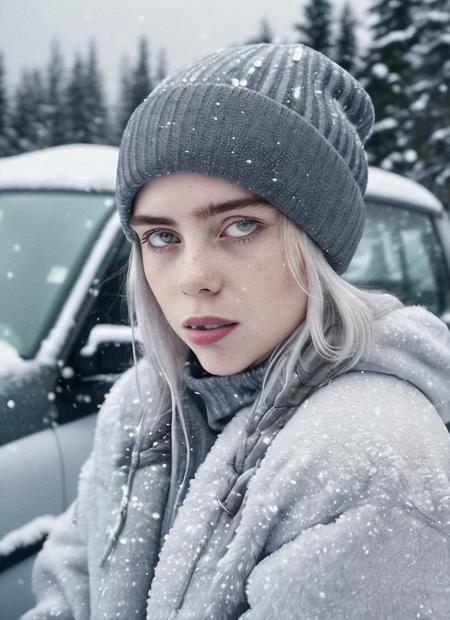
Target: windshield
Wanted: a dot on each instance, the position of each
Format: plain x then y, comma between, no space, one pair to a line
401,252
44,238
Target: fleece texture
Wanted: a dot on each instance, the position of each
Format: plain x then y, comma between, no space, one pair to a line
347,516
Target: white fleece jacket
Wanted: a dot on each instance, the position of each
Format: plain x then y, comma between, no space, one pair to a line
347,516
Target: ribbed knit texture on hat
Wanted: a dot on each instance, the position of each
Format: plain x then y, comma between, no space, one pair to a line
284,121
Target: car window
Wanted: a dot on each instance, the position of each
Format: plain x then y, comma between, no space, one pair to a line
400,252
81,388
44,237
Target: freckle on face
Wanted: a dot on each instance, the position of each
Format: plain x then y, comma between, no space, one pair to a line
205,274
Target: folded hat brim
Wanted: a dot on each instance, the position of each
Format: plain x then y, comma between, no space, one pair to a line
245,137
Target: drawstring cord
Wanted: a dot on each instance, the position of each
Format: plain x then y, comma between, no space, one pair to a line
137,458
117,528
174,493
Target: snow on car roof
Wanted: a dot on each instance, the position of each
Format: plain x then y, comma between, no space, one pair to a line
390,186
84,167
87,167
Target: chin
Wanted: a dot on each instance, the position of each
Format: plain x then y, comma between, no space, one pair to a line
221,365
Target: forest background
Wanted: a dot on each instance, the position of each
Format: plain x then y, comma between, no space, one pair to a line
404,65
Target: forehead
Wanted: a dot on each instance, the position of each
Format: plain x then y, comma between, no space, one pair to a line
188,189
198,199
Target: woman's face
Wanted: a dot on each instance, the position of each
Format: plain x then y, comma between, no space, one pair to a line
213,256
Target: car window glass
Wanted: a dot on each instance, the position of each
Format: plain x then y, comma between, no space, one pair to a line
87,377
44,237
400,252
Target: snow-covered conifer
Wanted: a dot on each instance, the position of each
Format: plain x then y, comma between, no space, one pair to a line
5,139
95,99
142,83
430,96
346,46
28,123
76,102
125,105
315,28
135,83
86,110
55,97
387,76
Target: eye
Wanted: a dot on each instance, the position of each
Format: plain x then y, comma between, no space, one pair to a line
159,239
242,227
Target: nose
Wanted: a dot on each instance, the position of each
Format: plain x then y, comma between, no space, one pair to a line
199,274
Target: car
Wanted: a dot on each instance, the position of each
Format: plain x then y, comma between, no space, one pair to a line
64,334
59,239
405,248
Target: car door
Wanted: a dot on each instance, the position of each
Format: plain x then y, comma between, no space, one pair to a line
47,413
27,464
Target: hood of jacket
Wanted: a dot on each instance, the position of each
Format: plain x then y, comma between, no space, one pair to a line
412,344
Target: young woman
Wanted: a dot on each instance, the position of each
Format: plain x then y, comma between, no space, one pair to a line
279,451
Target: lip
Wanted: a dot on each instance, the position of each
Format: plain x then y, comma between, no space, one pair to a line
204,319
212,335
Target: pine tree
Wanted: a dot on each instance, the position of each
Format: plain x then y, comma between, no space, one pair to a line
386,76
56,108
346,48
78,121
29,131
95,99
87,119
161,69
142,83
265,34
126,99
430,96
5,137
135,84
315,30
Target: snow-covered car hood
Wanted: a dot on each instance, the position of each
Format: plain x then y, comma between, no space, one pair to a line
83,167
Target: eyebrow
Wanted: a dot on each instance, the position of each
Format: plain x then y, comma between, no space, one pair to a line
201,213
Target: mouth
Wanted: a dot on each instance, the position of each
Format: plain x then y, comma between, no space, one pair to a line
210,326
206,322
207,330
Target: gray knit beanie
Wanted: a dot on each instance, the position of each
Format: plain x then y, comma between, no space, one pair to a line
284,121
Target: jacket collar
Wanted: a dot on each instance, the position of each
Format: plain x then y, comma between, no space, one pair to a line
222,396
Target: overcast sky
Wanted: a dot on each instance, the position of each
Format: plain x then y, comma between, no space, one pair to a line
185,28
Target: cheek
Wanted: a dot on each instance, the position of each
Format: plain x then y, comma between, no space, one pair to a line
280,274
269,289
149,273
155,281
149,276
286,288
266,276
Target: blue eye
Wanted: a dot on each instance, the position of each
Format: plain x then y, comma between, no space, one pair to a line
160,239
239,231
245,227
